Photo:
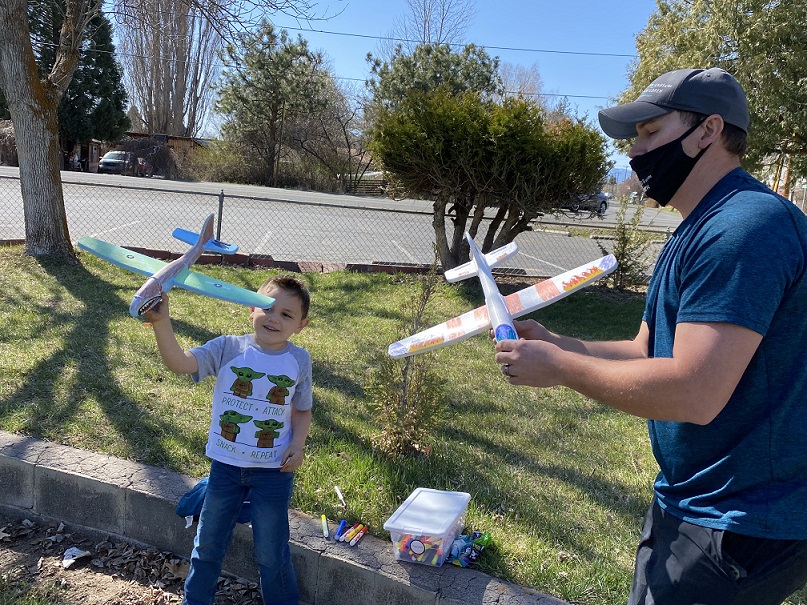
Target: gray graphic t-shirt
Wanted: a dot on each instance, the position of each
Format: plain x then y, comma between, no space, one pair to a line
252,400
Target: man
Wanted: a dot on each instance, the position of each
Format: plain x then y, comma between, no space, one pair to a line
717,365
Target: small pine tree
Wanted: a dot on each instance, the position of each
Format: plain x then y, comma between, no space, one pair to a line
630,249
407,393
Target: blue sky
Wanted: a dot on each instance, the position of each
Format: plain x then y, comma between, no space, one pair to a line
550,32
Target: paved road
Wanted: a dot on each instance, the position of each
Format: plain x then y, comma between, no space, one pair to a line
289,224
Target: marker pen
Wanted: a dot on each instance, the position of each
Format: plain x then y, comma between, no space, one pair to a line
352,533
340,529
358,536
344,534
339,495
324,527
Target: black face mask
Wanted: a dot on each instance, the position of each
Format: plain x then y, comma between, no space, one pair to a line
663,170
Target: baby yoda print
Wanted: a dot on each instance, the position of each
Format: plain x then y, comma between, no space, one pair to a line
268,432
279,392
229,422
242,387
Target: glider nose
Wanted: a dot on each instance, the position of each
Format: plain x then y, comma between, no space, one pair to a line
141,306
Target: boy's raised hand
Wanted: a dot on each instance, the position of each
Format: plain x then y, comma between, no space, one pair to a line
160,312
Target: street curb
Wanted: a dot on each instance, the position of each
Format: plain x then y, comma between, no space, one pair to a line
136,502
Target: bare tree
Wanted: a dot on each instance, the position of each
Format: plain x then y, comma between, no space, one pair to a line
169,59
430,22
33,99
334,136
521,80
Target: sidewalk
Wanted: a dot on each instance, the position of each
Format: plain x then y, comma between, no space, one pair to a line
135,502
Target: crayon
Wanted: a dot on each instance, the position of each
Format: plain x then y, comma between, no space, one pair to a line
324,527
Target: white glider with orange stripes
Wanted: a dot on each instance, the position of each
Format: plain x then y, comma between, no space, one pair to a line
515,305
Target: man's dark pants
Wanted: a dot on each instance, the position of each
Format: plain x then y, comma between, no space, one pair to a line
678,563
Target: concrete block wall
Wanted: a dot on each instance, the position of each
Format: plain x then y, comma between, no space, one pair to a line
136,502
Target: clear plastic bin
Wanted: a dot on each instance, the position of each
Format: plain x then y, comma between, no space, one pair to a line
425,525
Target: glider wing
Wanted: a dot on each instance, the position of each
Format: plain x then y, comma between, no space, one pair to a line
121,257
208,286
189,280
518,304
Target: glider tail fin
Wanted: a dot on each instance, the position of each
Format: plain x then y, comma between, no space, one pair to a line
211,245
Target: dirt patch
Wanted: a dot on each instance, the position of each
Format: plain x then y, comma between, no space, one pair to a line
33,559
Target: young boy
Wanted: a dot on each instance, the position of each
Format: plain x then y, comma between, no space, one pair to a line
261,416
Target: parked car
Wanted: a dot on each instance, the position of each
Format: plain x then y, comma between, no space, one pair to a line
113,162
589,202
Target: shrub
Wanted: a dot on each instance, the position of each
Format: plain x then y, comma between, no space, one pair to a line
407,393
8,144
630,249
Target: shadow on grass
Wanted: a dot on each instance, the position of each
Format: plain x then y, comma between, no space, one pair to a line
52,392
334,301
625,501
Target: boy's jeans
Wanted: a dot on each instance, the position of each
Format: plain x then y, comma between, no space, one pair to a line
269,494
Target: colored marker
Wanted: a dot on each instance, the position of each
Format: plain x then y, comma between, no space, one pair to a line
358,536
343,535
324,527
352,533
339,495
340,529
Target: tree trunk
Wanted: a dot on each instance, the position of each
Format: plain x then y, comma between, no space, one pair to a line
460,250
32,106
439,223
46,232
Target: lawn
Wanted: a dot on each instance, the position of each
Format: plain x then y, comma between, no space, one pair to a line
559,481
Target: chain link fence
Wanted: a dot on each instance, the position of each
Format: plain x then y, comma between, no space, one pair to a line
305,229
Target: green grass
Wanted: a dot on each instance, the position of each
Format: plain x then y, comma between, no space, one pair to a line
16,592
559,481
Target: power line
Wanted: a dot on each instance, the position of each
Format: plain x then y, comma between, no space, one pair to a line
484,46
217,64
509,92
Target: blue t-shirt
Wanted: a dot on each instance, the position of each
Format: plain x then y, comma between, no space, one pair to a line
738,258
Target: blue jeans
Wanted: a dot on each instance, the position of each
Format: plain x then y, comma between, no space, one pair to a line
269,493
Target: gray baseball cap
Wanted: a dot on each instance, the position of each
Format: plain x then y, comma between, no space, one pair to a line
706,91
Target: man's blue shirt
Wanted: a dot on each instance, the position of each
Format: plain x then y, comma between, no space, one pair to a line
740,257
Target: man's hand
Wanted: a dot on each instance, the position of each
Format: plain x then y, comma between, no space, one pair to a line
534,363
528,329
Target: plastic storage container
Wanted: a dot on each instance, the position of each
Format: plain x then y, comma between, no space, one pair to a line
425,525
